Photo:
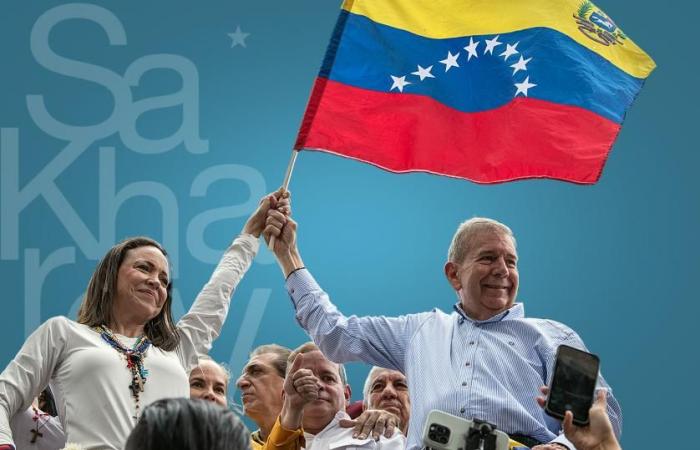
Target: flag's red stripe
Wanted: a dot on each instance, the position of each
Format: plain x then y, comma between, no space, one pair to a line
527,138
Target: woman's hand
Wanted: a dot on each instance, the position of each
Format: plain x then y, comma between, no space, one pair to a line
278,201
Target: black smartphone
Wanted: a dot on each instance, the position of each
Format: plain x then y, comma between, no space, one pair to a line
573,384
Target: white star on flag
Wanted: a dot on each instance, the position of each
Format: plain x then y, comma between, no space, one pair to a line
450,61
491,44
238,37
471,49
520,65
510,50
399,83
423,73
523,87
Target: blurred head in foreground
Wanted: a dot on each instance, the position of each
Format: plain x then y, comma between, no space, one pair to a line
188,424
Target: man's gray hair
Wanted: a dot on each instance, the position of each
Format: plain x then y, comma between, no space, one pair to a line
281,355
309,347
464,236
374,371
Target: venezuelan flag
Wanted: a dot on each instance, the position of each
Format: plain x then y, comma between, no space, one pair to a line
486,90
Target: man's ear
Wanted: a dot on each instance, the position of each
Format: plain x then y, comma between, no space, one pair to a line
348,393
451,272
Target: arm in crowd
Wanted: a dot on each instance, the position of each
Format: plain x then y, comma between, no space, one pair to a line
30,371
380,341
202,324
300,388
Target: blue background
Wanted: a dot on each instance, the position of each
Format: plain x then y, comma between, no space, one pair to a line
616,261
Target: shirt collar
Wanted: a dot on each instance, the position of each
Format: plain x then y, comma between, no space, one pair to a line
517,311
340,415
255,436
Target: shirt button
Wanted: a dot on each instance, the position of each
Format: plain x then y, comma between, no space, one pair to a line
462,410
464,383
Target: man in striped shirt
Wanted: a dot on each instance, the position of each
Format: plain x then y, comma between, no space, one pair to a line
484,360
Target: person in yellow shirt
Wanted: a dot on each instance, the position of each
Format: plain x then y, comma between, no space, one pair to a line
261,384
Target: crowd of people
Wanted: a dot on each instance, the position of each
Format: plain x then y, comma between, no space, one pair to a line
126,376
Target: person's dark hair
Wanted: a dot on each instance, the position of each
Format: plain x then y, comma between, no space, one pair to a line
96,308
47,403
281,355
188,424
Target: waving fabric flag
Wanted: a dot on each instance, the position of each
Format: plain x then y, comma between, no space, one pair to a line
487,90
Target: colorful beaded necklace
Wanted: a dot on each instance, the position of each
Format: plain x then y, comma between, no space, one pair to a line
134,361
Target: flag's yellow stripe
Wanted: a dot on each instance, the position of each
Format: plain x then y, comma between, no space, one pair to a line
454,18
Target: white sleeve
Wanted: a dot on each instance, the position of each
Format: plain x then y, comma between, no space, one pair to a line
22,424
30,371
203,322
561,439
380,341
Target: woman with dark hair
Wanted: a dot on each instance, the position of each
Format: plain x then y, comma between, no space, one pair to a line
181,424
125,351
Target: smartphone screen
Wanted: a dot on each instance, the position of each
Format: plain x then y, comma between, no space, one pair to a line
573,384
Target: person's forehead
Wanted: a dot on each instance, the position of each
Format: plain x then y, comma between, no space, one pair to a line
149,253
492,240
316,361
263,359
209,370
388,375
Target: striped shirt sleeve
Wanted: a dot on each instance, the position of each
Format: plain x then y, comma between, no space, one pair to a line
380,341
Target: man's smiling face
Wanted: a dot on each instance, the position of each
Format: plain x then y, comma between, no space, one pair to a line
487,280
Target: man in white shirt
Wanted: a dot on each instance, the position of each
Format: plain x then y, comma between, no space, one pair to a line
315,397
387,389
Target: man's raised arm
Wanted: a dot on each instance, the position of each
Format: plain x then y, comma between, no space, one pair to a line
380,341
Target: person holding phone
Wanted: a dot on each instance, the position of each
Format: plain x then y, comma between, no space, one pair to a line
485,360
598,434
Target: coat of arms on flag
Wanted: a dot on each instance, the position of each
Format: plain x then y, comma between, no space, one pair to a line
488,91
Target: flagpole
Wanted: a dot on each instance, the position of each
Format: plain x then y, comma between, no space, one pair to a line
290,168
285,186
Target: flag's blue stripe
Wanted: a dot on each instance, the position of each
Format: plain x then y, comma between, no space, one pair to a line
365,54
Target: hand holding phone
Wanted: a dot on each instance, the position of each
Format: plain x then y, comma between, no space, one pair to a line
573,384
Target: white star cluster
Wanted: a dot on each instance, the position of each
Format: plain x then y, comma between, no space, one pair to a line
521,84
